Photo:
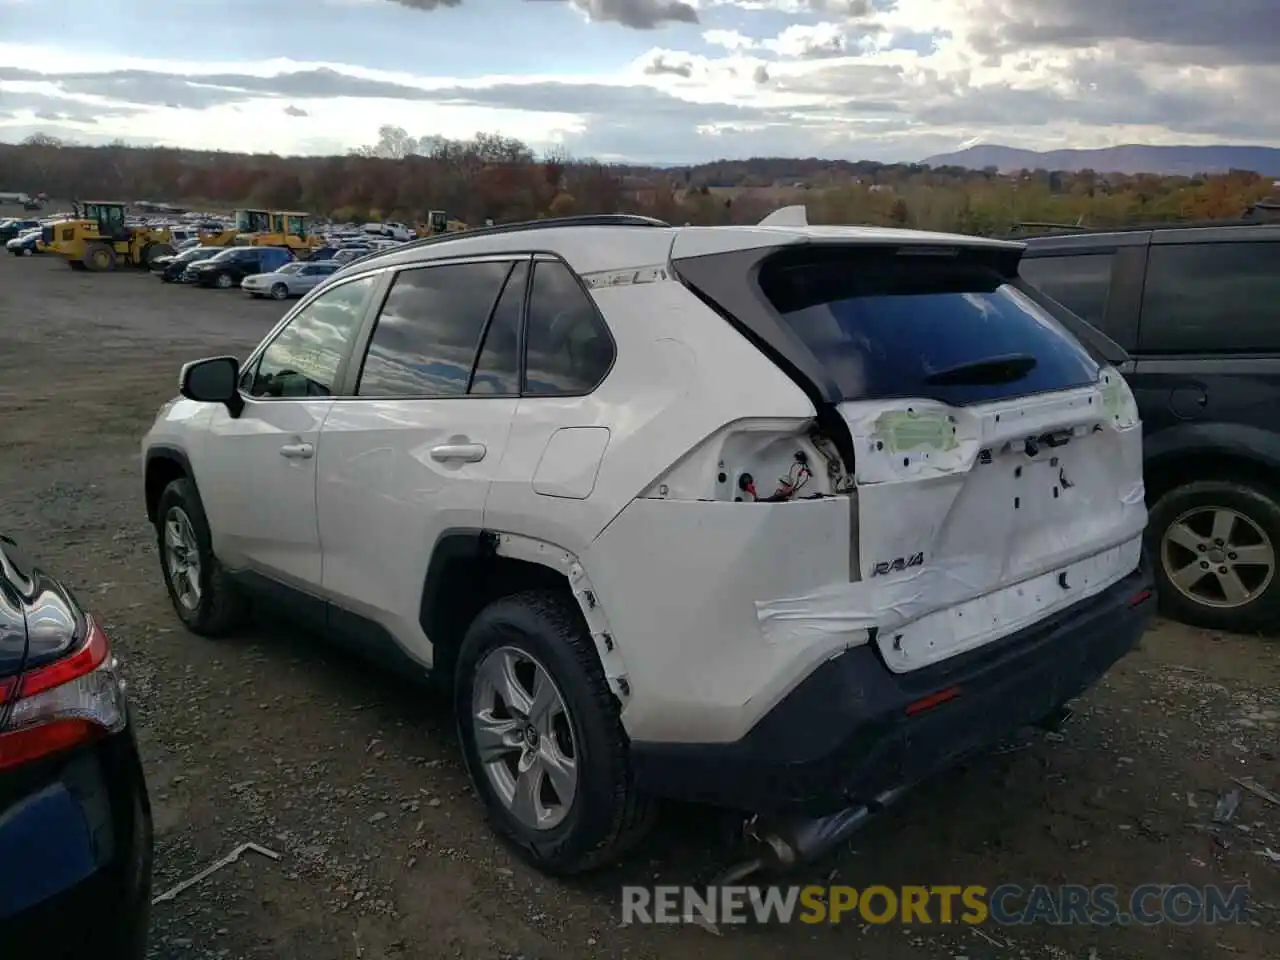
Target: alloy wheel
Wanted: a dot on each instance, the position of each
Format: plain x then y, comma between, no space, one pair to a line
1217,557
182,557
524,737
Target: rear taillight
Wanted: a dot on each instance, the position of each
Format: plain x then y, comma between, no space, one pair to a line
64,704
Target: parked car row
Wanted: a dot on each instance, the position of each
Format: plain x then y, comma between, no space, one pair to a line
25,244
259,271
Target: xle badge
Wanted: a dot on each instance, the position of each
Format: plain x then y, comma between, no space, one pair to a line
894,566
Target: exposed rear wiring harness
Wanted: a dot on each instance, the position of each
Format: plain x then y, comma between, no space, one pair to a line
792,483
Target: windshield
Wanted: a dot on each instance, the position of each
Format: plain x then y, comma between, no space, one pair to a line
892,326
252,221
196,253
289,268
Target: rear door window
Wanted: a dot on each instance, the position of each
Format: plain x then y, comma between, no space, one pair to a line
885,325
429,330
1211,298
1080,283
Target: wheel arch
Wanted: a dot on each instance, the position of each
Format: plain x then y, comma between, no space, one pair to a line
470,568
1234,452
163,465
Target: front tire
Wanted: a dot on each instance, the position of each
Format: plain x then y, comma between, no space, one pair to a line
279,291
223,282
203,595
542,738
1216,548
27,251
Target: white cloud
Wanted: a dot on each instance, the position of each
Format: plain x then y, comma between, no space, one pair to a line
803,42
882,79
729,39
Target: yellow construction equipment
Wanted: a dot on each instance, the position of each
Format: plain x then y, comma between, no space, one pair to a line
283,228
438,222
98,238
246,221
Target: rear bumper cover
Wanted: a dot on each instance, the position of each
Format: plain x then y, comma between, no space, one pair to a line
844,735
77,854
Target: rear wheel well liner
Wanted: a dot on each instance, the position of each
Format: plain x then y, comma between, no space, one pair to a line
465,574
1177,468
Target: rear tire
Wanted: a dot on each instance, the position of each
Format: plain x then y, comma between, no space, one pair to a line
99,258
1190,564
205,598
544,634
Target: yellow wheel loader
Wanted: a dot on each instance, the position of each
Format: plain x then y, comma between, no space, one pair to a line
284,228
246,222
99,239
438,222
250,225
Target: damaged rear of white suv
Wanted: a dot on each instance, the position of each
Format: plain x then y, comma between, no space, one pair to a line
782,518
941,543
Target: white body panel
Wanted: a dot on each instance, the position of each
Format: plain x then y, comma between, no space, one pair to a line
679,582
387,488
676,381
259,496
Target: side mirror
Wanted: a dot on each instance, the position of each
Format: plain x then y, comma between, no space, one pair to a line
215,380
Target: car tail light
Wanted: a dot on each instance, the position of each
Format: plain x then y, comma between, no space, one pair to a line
64,704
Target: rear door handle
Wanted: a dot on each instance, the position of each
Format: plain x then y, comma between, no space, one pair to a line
461,452
297,451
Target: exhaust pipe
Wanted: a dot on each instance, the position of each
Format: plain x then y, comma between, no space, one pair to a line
792,843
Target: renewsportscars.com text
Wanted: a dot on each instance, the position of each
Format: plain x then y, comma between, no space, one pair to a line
1007,904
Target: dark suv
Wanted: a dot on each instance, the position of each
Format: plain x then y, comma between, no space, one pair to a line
1198,309
226,269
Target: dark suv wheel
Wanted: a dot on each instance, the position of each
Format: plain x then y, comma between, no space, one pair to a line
1215,545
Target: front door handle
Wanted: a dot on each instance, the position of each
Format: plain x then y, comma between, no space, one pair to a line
297,451
461,452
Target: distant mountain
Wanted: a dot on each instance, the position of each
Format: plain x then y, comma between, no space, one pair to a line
1132,158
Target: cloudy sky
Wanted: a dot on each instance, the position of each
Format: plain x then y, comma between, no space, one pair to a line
663,81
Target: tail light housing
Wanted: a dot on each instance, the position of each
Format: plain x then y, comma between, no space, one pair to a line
63,704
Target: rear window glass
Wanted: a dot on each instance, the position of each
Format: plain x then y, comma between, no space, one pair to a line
886,326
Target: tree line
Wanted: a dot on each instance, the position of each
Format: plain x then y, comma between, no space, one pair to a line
491,176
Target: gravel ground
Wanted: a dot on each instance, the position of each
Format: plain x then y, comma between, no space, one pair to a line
353,777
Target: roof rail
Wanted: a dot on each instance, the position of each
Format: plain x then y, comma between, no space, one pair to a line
549,223
1064,229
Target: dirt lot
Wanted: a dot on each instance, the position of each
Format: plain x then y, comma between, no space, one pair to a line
354,779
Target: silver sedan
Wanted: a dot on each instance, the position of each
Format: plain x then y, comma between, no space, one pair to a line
292,280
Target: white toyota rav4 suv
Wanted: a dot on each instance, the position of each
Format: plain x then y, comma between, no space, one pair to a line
778,518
